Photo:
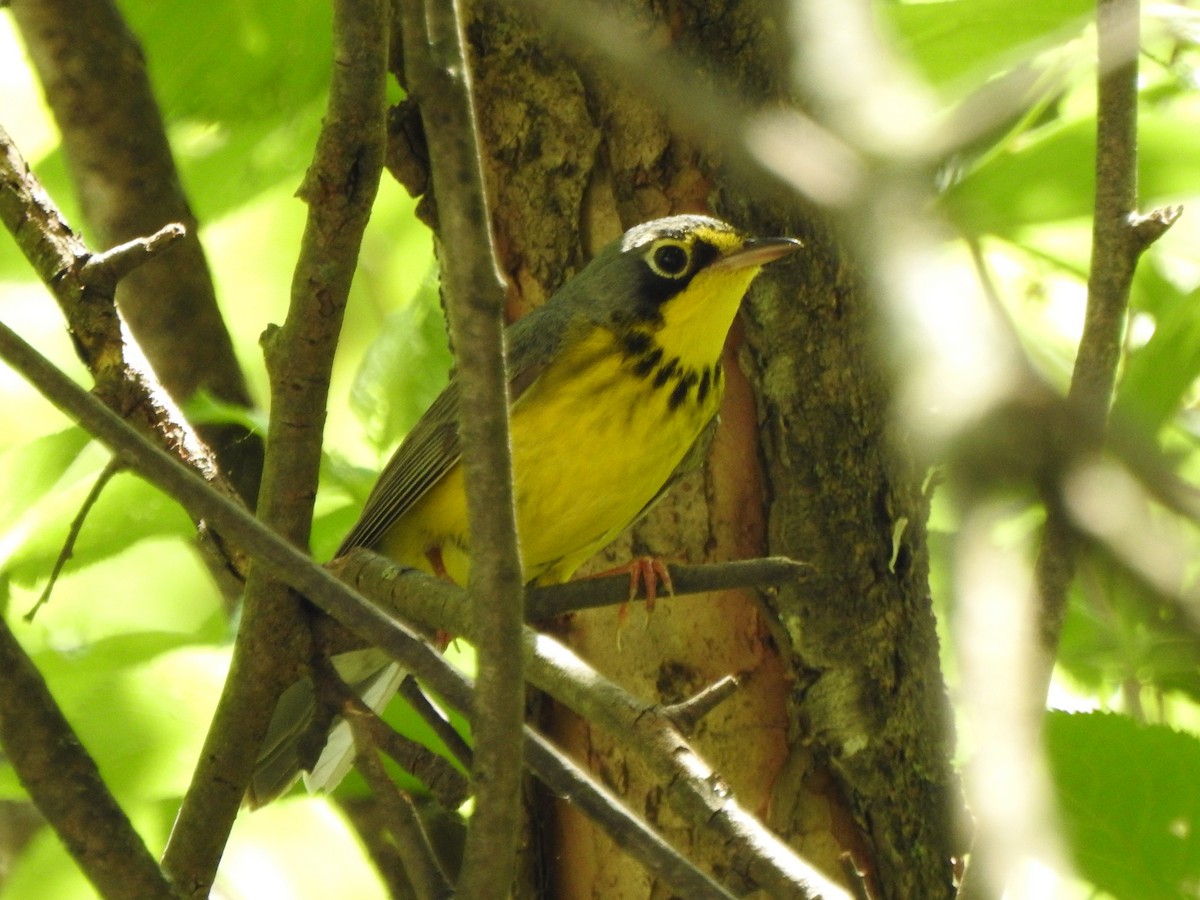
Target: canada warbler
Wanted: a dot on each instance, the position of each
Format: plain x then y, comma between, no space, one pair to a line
612,382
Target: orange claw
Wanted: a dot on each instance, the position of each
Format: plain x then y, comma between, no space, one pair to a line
434,555
647,573
441,639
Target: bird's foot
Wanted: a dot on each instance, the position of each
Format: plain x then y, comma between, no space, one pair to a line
646,574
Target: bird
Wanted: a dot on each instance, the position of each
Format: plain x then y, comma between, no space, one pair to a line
613,383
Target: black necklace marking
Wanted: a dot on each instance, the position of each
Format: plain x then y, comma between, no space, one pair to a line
702,388
635,343
682,387
666,372
647,363
645,356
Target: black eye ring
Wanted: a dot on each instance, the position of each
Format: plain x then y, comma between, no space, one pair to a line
670,260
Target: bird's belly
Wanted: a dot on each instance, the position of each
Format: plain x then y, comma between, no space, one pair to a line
592,445
589,458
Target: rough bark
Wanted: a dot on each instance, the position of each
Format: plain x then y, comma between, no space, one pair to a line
840,734
843,496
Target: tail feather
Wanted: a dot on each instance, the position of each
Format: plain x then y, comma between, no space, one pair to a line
369,673
338,756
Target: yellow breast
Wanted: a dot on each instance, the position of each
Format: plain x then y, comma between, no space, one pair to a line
594,439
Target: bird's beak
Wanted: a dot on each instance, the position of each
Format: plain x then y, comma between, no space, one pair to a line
758,252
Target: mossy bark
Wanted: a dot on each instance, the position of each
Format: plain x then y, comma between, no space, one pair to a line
839,736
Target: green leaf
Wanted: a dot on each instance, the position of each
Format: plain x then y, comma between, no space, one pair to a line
127,511
141,704
1129,801
958,38
1158,374
1118,631
403,370
30,471
236,61
1048,175
1091,648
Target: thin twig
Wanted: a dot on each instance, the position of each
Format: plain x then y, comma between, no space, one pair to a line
545,601
439,78
686,714
453,741
400,816
104,270
68,547
1119,236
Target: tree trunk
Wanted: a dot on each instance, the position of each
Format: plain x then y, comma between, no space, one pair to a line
839,734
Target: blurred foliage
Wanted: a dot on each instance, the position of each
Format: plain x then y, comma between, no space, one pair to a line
1129,801
1022,198
134,641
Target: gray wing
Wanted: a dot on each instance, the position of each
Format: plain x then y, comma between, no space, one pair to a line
426,454
432,448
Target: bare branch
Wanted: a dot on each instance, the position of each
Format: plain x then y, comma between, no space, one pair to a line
68,547
94,75
420,862
66,786
438,77
104,270
1119,236
273,640
543,602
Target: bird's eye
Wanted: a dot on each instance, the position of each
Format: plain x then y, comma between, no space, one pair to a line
669,260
